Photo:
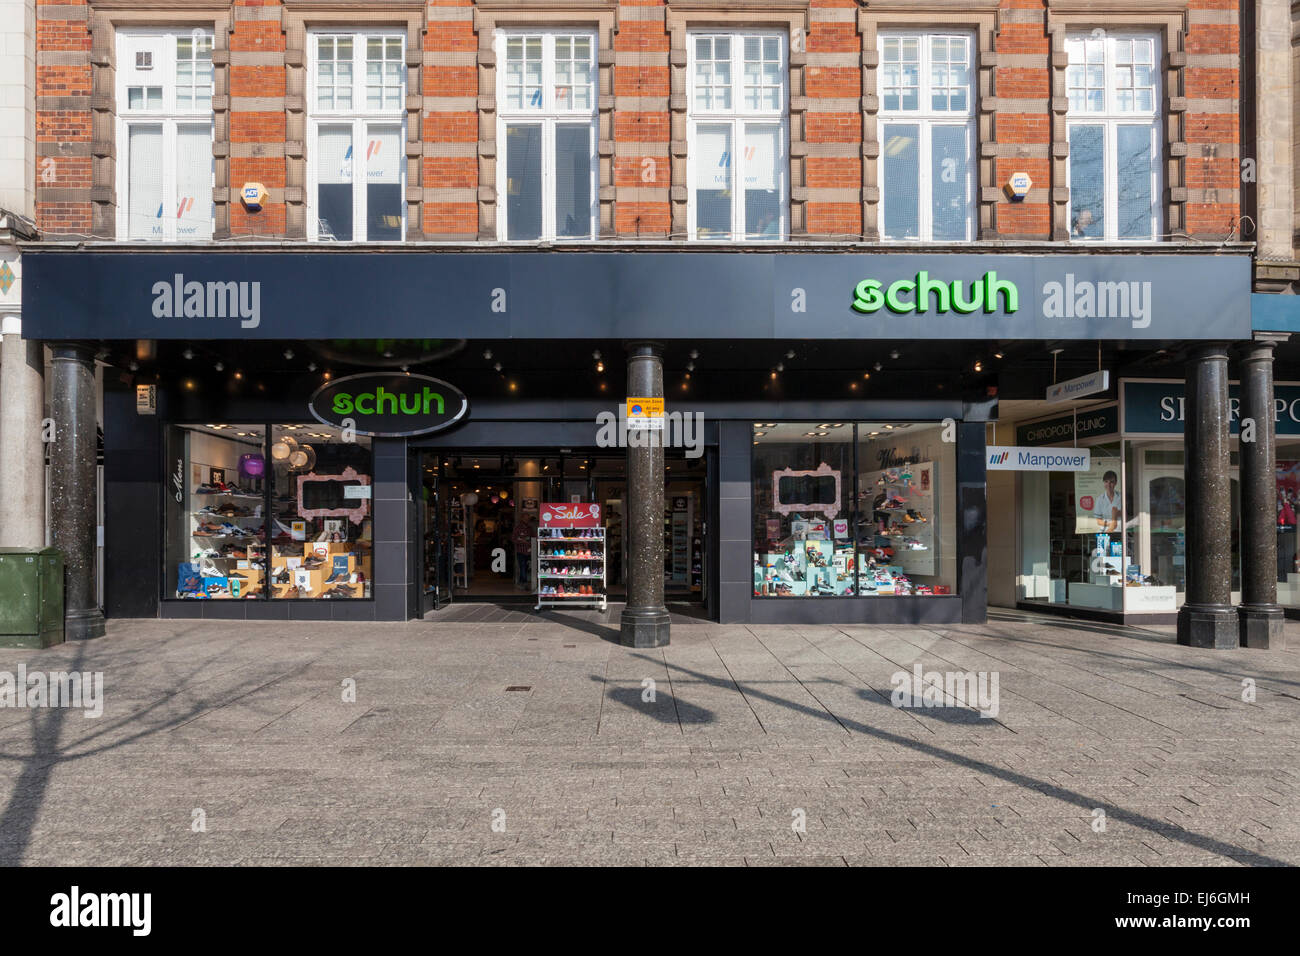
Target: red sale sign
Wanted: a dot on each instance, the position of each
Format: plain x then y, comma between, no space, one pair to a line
571,515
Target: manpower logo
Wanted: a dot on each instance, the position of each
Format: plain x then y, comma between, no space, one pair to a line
999,458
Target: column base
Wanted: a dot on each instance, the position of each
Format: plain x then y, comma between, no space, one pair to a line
1208,625
1261,626
645,627
83,624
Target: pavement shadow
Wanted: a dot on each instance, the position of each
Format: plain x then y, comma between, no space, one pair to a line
680,711
1046,787
48,725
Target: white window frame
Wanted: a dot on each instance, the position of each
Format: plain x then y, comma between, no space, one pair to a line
548,117
927,118
1111,118
738,117
162,43
360,119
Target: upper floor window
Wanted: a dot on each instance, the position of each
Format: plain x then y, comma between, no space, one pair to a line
737,154
1114,135
356,136
927,117
547,128
164,134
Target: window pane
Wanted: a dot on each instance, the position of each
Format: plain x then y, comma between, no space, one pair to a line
713,181
1135,180
144,183
573,181
950,176
1087,182
384,162
524,182
194,182
902,178
803,510
334,182
762,172
215,546
315,555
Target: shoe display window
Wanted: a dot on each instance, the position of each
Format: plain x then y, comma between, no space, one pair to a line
846,509
258,512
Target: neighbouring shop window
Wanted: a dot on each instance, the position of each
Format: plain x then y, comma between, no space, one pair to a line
1113,128
321,511
737,134
853,509
356,136
546,125
256,512
164,134
1288,507
927,115
215,547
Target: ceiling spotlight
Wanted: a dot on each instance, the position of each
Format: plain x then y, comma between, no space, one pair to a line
690,366
894,354
487,355
288,354
694,354
497,366
979,366
596,355
219,367
780,366
188,354
790,354
600,366
133,366
877,366
997,355
311,366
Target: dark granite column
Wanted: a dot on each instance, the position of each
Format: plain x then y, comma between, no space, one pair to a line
1207,617
645,621
1261,617
73,511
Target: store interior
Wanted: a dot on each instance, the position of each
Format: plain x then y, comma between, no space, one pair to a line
480,521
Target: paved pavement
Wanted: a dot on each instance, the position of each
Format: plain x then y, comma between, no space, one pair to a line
494,737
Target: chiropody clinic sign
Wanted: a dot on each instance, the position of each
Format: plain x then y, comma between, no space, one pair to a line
389,404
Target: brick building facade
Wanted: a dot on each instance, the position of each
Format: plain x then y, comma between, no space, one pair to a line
259,108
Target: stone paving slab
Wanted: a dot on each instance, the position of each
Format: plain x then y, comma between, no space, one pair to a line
518,739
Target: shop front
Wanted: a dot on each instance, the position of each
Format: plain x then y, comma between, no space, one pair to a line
1113,539
344,435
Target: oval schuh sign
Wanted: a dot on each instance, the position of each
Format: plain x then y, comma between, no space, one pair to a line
384,404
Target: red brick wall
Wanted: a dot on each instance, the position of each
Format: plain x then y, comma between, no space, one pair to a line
1211,180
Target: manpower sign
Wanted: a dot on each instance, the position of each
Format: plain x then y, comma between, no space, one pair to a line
422,293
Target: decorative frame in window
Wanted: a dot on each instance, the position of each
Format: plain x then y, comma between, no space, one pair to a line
355,95
687,16
345,16
490,16
1169,19
977,17
106,17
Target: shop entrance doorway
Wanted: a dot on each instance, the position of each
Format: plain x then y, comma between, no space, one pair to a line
478,519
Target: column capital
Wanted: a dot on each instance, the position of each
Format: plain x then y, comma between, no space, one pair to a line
73,351
644,347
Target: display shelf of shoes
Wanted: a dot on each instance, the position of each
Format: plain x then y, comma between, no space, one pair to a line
219,524
576,576
909,491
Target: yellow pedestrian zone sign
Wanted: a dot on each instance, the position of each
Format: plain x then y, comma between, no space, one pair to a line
646,414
